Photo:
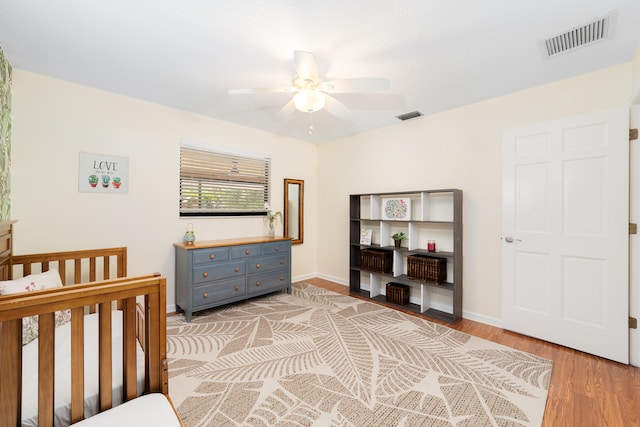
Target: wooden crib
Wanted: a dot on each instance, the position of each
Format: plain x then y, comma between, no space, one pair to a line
93,278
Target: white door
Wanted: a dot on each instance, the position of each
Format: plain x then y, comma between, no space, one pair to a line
565,232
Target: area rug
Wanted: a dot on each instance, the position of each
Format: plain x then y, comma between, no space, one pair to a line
318,358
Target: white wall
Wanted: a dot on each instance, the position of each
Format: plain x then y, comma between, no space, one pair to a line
460,148
53,120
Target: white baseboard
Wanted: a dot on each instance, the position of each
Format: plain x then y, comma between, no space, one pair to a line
480,318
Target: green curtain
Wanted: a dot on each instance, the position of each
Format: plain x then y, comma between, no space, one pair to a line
5,137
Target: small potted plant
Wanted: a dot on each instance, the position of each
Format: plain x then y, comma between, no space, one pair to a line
105,180
398,238
93,180
116,182
272,219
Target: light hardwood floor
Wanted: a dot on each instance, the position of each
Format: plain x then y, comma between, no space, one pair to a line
585,390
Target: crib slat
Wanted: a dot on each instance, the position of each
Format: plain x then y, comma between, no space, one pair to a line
46,350
129,351
153,343
77,270
92,278
77,364
104,356
92,269
107,268
62,269
11,368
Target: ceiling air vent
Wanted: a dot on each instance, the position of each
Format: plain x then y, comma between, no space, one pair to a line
596,31
411,115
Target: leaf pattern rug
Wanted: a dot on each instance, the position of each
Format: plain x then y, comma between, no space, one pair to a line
319,358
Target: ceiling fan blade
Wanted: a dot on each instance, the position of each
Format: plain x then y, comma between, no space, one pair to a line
337,108
306,67
285,111
364,84
262,90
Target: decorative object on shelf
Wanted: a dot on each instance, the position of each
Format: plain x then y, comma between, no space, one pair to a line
398,238
396,209
428,269
189,235
431,245
377,260
272,219
365,236
397,293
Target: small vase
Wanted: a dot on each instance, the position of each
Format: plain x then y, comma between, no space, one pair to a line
272,232
397,243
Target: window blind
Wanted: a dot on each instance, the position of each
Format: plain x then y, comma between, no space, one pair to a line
220,183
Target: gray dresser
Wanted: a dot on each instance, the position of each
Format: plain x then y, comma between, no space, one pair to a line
217,272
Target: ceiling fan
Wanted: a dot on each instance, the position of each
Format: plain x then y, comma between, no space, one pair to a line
310,94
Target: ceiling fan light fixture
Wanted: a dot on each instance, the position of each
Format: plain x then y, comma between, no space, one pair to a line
309,101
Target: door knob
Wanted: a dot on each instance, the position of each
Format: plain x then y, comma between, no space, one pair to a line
510,239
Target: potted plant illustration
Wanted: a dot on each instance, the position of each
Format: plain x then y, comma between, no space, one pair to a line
105,180
398,238
93,180
116,182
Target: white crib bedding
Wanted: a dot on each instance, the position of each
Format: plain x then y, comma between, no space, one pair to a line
149,410
62,411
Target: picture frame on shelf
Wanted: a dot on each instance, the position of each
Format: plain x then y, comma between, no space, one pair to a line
365,236
396,209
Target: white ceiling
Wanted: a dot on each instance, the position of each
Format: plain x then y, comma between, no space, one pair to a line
187,54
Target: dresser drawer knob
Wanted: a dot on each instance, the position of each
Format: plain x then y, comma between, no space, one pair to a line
205,274
248,252
281,261
258,266
237,288
281,278
257,283
237,269
205,295
277,248
212,256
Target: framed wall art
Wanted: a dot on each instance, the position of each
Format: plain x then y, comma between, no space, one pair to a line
101,173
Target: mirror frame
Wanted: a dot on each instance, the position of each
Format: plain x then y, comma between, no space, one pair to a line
300,184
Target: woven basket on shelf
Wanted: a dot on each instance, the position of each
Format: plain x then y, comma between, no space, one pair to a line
427,269
397,293
377,260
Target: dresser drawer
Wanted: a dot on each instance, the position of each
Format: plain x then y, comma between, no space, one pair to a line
212,293
276,247
245,251
267,263
217,271
261,283
202,256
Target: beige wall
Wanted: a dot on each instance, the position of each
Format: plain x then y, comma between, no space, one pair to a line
54,120
460,148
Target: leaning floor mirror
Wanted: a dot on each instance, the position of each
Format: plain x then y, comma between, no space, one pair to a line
294,210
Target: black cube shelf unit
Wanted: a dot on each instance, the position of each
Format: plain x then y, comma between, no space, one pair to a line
423,216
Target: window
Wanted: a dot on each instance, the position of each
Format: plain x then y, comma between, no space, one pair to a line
214,182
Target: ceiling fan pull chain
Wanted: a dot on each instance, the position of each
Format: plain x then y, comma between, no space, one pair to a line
310,124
